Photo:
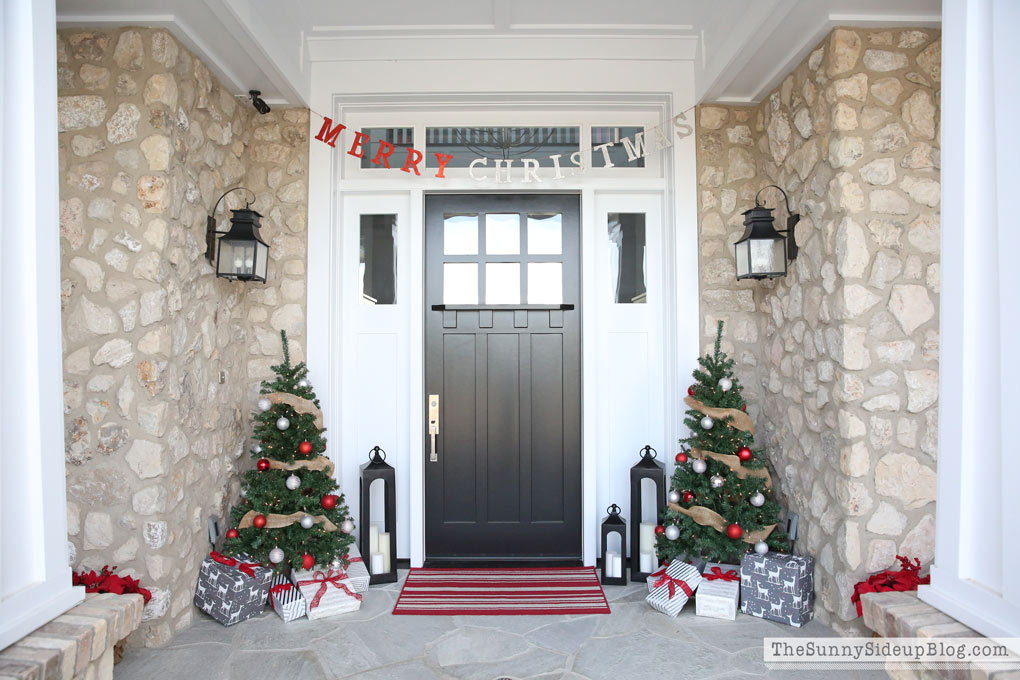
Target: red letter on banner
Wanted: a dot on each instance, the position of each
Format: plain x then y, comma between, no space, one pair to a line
383,153
328,134
443,159
413,158
357,148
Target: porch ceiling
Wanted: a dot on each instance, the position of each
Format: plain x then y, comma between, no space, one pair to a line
740,48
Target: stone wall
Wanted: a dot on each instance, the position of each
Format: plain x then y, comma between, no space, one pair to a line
157,394
846,346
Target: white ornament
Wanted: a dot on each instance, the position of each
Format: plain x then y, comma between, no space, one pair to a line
717,481
257,448
672,532
698,465
347,526
302,383
707,423
265,404
282,423
244,492
725,384
758,499
761,547
307,522
293,482
276,555
674,496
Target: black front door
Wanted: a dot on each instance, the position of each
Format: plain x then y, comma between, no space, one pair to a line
503,375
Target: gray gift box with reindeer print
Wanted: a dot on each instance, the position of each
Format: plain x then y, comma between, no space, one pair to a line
231,593
777,587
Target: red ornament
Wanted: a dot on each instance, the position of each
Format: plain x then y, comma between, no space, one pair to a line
307,561
744,454
263,464
690,391
681,457
305,448
233,533
329,501
734,531
743,407
258,521
659,530
688,497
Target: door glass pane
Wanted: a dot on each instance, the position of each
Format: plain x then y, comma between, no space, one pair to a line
503,283
618,156
545,234
545,283
501,143
401,138
502,234
460,234
627,257
460,283
378,259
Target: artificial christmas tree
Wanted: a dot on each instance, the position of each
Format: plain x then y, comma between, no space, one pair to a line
721,497
290,513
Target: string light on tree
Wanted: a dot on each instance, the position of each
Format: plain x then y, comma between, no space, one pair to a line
293,482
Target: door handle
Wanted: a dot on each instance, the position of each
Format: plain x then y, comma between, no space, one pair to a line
433,426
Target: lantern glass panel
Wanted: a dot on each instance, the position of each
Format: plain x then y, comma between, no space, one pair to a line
261,260
237,258
761,257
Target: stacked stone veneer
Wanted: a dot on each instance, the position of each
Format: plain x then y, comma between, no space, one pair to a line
161,358
842,354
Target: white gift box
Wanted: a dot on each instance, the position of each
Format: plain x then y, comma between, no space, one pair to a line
672,586
356,570
285,598
719,592
327,591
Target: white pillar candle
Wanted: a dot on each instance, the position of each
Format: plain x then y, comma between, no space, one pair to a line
384,550
646,537
377,563
617,565
609,559
373,538
647,562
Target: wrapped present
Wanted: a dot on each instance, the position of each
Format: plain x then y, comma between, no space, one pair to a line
356,571
672,586
778,587
719,592
697,562
327,591
232,589
286,599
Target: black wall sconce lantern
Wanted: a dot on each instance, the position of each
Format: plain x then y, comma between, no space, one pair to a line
762,252
613,571
378,540
646,468
241,254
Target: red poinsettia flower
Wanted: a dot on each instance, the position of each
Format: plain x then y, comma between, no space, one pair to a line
907,578
108,582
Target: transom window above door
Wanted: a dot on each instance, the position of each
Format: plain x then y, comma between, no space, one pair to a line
503,258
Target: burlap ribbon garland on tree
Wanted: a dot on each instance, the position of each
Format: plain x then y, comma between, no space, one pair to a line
733,463
275,521
741,420
317,463
299,404
711,518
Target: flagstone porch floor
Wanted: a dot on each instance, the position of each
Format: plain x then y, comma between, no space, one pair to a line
632,643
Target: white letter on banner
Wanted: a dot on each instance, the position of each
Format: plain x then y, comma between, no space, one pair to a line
662,140
682,129
471,168
635,150
578,159
531,170
556,164
500,165
604,148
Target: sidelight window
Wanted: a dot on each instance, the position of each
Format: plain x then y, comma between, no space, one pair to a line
628,259
378,259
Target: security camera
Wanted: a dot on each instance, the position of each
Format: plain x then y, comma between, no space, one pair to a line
258,102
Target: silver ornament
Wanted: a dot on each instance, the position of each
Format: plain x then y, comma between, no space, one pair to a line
282,423
758,499
293,482
698,465
244,492
336,564
257,448
302,383
717,481
761,547
307,522
276,555
707,423
672,532
725,384
674,496
265,404
347,526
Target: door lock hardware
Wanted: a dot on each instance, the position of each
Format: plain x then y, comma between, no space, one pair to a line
433,426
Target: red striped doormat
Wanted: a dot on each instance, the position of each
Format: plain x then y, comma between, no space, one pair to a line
551,590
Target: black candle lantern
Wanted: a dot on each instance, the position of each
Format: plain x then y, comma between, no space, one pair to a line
375,556
240,254
614,524
762,251
646,468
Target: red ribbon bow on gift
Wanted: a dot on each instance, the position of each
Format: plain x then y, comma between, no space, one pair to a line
715,574
907,578
673,583
324,580
275,590
245,567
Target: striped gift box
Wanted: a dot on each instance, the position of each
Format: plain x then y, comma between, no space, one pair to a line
356,570
672,586
285,599
327,591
